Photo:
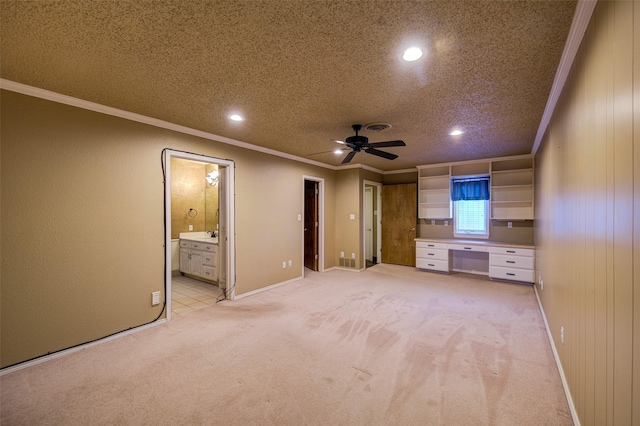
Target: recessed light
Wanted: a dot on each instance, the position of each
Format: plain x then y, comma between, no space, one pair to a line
412,54
456,133
337,151
236,117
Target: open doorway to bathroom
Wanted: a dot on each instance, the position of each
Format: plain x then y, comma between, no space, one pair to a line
371,223
199,220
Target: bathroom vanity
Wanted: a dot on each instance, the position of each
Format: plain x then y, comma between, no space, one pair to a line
199,255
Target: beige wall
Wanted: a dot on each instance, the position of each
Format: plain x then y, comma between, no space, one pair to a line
588,220
83,229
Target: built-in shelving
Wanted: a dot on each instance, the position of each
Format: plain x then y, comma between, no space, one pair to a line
434,199
511,187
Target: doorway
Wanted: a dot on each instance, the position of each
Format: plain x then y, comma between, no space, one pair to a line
399,221
372,226
313,224
223,218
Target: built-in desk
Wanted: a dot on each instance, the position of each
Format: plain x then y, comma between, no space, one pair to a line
503,261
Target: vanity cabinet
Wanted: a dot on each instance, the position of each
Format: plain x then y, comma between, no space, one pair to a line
199,259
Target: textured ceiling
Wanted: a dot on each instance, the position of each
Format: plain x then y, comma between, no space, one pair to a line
302,72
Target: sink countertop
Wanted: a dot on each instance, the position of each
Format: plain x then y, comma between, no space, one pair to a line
199,237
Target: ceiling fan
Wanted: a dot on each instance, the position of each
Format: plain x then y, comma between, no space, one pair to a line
359,143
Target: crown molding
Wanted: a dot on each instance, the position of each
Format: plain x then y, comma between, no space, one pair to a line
127,115
584,10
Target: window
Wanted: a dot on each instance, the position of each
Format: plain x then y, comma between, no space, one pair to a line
470,207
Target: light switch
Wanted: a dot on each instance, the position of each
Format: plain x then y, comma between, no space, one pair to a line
299,217
352,216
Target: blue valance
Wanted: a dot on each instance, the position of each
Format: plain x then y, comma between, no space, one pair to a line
470,189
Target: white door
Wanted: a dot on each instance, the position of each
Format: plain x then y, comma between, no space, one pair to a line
368,223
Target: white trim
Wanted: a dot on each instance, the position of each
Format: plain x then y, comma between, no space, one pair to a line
479,160
229,193
321,214
584,10
376,218
65,352
565,384
271,287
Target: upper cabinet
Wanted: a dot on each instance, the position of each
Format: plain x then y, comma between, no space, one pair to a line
511,187
434,199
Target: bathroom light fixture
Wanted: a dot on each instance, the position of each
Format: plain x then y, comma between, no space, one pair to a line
236,117
212,178
412,54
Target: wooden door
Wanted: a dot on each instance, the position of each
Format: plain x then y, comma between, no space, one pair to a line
399,219
311,225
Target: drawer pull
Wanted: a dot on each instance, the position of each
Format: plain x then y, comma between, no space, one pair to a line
431,264
431,254
468,248
511,251
510,274
511,261
431,245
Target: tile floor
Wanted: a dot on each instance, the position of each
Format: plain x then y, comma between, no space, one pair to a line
188,294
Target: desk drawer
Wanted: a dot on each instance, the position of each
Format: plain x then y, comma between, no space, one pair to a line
509,251
430,245
513,274
523,262
469,247
433,264
430,253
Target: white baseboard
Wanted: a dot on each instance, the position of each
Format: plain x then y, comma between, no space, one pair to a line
260,290
565,385
66,352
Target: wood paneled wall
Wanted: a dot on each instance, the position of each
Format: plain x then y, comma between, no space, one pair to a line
587,229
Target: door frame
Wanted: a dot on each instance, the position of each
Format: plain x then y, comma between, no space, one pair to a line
377,201
227,192
320,212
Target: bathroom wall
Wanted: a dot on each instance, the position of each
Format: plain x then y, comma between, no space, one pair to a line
187,196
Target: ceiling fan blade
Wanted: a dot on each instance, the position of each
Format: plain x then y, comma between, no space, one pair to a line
387,144
348,157
326,152
382,154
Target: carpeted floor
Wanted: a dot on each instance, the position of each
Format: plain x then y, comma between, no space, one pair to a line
386,346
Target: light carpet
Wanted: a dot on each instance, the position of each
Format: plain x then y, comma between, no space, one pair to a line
386,346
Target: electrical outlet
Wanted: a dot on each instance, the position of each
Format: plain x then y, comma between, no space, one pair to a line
562,335
290,263
284,264
341,254
509,225
433,221
190,227
155,298
446,223
353,255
